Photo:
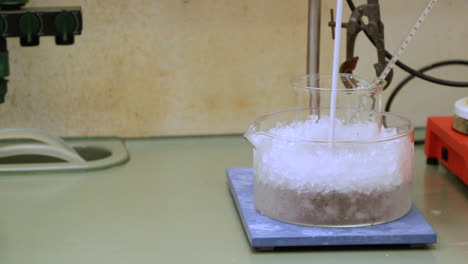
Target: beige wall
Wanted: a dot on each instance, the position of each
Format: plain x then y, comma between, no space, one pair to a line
177,67
160,67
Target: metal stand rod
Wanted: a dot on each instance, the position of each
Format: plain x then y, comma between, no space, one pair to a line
313,38
313,49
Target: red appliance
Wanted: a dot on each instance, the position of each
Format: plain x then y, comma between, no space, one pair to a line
447,145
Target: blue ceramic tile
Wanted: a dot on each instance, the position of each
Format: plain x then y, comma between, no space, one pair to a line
266,232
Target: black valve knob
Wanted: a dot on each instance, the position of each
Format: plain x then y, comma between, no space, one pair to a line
3,90
65,24
30,25
2,26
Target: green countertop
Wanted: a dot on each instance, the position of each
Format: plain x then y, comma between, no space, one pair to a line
171,204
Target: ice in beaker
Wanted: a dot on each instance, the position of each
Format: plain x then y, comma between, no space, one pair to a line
362,178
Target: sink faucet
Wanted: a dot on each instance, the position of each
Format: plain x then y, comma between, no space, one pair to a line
28,24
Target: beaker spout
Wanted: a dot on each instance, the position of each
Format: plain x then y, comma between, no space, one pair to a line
250,134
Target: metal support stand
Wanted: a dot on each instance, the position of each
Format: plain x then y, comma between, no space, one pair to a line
313,50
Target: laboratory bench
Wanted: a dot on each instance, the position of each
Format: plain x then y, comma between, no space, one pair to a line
171,204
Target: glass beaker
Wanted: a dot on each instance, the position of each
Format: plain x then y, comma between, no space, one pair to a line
353,93
315,91
362,178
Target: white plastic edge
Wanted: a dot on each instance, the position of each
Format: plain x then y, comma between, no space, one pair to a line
461,108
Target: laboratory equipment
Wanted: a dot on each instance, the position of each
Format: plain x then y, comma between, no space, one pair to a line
335,72
460,118
29,24
24,149
337,160
264,233
362,178
353,91
373,27
447,140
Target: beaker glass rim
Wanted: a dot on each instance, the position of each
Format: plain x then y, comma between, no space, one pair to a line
406,125
304,82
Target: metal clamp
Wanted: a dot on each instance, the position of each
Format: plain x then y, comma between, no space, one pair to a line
365,17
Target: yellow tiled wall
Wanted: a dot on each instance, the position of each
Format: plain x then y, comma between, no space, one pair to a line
180,67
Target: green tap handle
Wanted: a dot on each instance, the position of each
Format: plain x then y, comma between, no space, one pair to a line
30,25
65,24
